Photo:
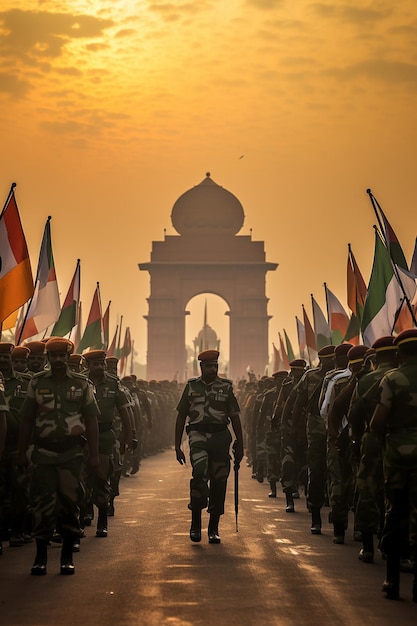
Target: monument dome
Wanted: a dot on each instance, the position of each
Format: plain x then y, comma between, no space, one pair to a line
207,209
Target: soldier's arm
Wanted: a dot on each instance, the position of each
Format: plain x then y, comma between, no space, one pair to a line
28,415
179,430
238,443
91,433
125,416
379,420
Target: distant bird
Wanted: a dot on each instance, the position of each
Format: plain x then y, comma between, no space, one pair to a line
241,157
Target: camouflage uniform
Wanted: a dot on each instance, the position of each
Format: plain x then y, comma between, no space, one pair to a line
59,410
208,407
273,432
262,427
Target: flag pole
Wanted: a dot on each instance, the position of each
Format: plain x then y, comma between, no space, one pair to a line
9,195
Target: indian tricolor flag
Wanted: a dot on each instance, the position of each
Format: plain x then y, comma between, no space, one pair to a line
44,308
16,281
69,312
93,334
338,318
383,298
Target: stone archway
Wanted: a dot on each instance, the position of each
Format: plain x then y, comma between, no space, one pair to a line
207,257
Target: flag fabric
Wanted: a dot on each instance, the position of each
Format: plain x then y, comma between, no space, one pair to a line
413,264
301,336
10,321
125,351
383,298
111,350
284,356
106,326
310,338
356,295
338,318
321,325
277,359
69,311
391,240
290,350
75,334
16,280
44,307
93,334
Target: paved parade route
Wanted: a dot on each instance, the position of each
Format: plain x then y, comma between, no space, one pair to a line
147,572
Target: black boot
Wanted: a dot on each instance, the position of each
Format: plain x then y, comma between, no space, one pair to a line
195,530
391,585
67,566
41,558
315,520
102,522
290,503
213,529
366,555
273,492
110,510
338,532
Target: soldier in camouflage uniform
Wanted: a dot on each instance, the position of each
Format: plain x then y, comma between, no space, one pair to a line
306,407
37,356
262,424
210,405
273,432
369,512
110,397
20,356
293,444
395,419
340,466
60,411
14,499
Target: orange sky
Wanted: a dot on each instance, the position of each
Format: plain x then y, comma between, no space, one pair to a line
111,109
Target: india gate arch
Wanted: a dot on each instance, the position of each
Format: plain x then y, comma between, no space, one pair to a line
207,256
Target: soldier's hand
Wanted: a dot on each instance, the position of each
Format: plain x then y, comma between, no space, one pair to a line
238,451
180,456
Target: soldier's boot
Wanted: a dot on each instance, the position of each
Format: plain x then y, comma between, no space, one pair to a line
290,503
67,565
366,554
273,492
315,520
1,548
213,529
102,522
391,585
41,558
260,472
338,532
195,530
110,509
87,514
415,581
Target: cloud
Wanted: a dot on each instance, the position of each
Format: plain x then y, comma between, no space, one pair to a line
126,32
393,72
349,13
266,4
171,11
12,85
44,34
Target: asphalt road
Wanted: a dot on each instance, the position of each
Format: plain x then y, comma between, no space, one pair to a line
147,572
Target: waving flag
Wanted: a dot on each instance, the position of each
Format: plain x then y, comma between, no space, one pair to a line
310,338
338,318
44,308
69,312
106,326
285,361
321,325
391,241
277,359
16,281
125,351
290,351
301,336
384,296
111,351
93,333
356,295
75,334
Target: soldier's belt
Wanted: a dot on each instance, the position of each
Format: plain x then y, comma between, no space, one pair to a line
60,445
206,428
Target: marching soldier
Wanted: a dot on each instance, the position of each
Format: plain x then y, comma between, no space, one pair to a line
273,432
60,411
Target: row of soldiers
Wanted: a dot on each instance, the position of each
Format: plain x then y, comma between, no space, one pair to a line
69,429
327,430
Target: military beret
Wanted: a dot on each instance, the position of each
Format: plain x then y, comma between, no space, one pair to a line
59,344
342,349
357,354
408,339
76,358
326,352
20,352
112,359
298,364
209,355
95,355
6,348
36,347
280,374
384,343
